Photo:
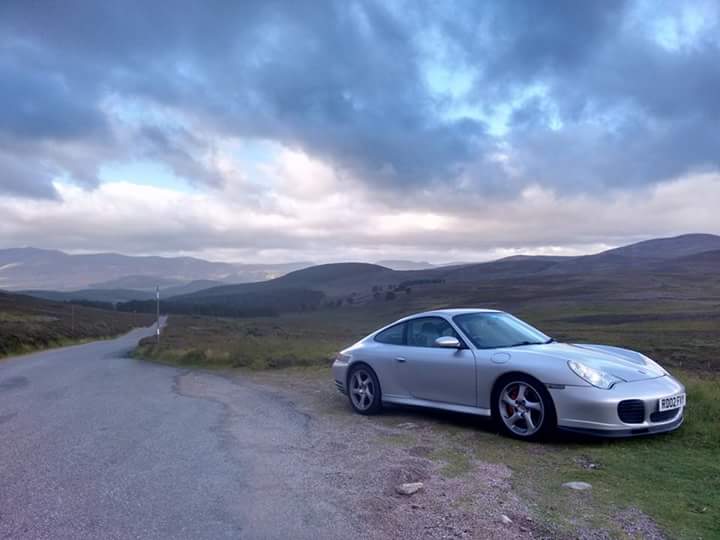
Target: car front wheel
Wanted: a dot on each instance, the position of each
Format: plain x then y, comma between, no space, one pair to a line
523,408
364,390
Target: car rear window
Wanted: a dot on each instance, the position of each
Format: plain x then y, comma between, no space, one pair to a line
395,335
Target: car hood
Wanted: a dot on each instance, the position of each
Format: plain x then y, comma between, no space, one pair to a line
623,363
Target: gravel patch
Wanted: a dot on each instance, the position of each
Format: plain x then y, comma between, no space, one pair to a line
356,463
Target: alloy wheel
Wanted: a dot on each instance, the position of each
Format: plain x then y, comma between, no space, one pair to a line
521,408
362,389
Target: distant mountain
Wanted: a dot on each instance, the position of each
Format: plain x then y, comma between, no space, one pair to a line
32,268
503,268
299,290
668,248
141,283
187,288
357,283
36,269
399,264
328,278
639,256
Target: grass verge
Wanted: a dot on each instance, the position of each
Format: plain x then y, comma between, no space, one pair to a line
673,478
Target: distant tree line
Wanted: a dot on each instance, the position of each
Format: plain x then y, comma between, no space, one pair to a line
183,308
97,304
245,304
413,282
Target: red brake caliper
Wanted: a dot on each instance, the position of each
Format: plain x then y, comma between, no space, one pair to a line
508,408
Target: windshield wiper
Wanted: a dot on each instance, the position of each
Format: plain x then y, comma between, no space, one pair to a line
550,340
526,343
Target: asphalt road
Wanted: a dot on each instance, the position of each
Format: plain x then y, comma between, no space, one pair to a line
97,445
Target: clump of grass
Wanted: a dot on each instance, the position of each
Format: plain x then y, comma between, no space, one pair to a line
455,462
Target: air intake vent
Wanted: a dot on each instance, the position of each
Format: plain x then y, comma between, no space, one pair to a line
663,416
631,411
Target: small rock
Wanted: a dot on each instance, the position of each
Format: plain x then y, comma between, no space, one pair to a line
409,488
579,486
506,520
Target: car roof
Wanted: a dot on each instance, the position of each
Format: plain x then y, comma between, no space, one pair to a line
451,312
448,312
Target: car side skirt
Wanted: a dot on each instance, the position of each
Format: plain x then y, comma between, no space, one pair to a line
412,402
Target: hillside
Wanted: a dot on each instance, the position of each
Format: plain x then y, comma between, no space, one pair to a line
640,256
141,283
28,323
689,253
300,290
44,269
669,248
705,262
360,283
400,264
329,278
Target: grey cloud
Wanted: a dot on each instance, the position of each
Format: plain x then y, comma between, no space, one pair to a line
21,178
344,81
181,150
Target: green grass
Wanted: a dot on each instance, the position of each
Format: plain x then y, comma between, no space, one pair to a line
673,478
455,462
291,340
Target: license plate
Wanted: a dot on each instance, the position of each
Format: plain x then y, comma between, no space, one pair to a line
671,402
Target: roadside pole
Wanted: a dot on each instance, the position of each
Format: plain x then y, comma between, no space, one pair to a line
157,313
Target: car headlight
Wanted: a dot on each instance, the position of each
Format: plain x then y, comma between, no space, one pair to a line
341,358
596,377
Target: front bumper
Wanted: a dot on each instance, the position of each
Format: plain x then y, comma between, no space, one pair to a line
590,410
339,371
633,432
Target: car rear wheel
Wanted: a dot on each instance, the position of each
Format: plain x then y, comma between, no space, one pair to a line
364,390
523,408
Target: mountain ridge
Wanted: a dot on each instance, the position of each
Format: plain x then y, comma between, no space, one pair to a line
42,270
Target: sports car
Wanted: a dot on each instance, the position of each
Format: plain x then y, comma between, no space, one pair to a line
490,363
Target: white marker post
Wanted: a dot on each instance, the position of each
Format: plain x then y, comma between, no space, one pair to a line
157,313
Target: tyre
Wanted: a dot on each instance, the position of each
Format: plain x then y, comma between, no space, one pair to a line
523,408
364,390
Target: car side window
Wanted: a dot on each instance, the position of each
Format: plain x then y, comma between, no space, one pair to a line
424,331
395,335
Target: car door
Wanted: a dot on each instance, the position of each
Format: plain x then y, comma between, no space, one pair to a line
435,373
388,346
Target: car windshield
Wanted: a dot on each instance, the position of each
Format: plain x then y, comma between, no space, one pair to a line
492,330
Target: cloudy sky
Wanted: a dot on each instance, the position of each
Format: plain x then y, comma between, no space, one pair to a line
320,130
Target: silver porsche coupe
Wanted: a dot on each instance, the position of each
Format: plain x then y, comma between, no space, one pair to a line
490,363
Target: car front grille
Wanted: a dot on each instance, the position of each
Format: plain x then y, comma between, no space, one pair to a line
631,411
340,386
663,416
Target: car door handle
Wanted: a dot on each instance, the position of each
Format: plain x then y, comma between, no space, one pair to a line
400,359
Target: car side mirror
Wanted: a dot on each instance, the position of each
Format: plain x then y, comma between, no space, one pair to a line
448,342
